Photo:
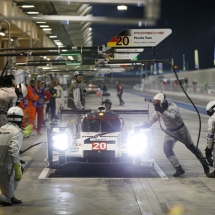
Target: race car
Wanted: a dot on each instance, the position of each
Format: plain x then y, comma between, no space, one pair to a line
103,139
92,88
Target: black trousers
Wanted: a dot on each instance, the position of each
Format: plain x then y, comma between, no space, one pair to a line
120,99
52,105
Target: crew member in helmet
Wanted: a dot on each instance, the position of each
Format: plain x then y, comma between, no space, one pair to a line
175,130
210,108
11,136
9,96
76,99
108,104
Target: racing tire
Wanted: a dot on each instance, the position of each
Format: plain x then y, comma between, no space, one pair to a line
62,159
137,161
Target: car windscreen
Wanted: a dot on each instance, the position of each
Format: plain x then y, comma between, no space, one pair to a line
101,124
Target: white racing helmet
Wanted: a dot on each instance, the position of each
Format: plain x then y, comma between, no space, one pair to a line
161,98
15,114
210,108
78,73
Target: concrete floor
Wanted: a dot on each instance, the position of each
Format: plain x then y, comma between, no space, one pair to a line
191,194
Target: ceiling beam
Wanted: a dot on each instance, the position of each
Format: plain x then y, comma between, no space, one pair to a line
99,1
96,19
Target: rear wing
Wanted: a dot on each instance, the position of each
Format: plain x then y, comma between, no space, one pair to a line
69,111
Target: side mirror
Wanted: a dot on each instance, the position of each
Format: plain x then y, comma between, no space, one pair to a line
101,108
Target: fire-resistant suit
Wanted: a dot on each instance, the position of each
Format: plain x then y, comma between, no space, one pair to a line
76,102
8,99
32,99
176,130
59,99
11,140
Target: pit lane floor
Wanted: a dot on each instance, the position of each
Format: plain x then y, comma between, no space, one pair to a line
192,193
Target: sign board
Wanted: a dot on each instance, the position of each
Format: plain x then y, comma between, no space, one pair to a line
139,38
125,55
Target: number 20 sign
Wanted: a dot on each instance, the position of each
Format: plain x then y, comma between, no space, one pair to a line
99,146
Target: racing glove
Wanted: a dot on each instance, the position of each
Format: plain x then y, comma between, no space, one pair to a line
159,108
18,171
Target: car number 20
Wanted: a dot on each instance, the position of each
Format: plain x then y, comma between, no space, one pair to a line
99,146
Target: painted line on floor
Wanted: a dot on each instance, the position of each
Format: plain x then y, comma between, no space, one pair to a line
44,173
159,171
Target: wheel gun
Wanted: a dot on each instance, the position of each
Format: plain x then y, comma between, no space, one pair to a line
153,101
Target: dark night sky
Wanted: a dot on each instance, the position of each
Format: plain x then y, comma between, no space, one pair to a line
192,23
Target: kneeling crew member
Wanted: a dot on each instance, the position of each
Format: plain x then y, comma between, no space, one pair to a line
11,136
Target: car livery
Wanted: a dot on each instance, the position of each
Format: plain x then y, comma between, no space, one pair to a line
102,139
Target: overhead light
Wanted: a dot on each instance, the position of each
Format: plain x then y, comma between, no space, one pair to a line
61,46
71,58
32,12
2,33
47,29
52,36
40,22
64,50
122,7
90,29
27,6
48,59
44,26
44,57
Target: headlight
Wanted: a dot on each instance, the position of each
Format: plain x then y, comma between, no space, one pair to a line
60,142
137,143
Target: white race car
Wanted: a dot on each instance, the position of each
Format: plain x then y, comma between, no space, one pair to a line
103,139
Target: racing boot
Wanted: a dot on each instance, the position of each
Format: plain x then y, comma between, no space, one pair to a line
205,165
6,203
211,175
15,201
179,171
200,157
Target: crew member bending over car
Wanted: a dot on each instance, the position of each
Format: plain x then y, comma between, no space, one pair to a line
175,130
11,136
108,104
76,100
210,108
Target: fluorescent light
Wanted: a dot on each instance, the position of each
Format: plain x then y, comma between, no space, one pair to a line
2,33
52,36
64,50
27,6
44,26
61,46
71,58
47,29
122,7
32,12
40,22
